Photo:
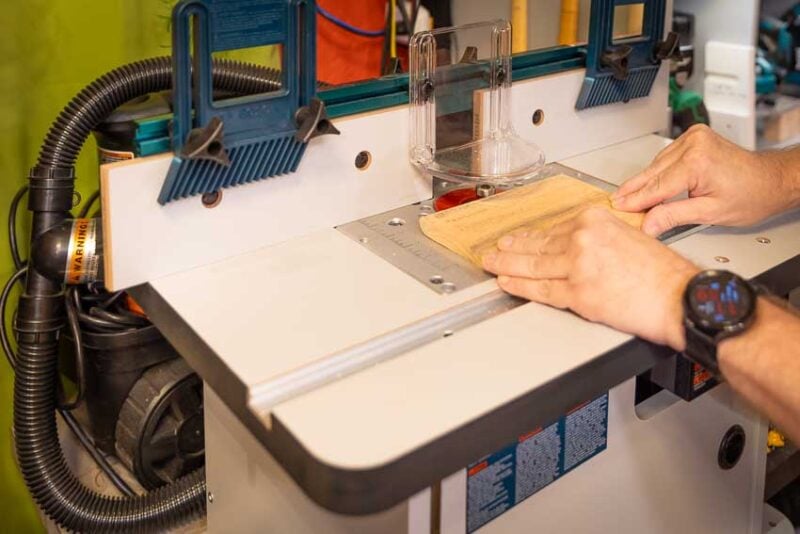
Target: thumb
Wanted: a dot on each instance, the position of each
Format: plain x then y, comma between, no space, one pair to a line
667,216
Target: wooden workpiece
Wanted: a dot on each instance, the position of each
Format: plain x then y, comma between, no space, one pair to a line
473,229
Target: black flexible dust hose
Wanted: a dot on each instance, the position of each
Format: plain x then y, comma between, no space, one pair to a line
95,103
41,316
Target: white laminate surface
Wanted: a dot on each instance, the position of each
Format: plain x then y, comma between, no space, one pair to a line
268,312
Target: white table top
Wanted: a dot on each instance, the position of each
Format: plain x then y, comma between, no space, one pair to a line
270,311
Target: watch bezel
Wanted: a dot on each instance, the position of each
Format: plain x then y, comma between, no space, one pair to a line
714,329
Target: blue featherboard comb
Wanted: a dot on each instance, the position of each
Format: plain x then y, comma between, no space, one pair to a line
622,69
240,140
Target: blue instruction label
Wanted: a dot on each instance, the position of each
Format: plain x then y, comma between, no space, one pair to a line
501,480
248,23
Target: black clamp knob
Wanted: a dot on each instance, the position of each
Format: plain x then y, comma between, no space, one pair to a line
669,48
312,121
617,60
206,143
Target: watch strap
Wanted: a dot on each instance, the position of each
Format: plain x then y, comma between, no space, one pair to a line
701,348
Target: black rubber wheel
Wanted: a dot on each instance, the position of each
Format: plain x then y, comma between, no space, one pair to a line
159,433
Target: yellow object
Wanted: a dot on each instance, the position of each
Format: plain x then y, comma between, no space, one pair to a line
519,26
570,10
393,28
635,19
472,230
628,21
775,439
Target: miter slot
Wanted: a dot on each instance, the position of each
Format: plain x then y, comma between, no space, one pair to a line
336,366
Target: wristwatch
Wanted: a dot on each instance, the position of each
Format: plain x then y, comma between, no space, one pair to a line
717,305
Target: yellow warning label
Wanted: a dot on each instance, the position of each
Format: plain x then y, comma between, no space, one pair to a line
82,260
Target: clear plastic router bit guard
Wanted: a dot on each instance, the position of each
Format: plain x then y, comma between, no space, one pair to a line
460,92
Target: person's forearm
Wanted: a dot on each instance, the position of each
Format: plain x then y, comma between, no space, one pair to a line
763,365
785,164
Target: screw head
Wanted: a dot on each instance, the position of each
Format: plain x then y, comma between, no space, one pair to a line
721,259
764,240
448,287
210,497
485,190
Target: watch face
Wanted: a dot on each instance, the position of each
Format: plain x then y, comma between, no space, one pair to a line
720,300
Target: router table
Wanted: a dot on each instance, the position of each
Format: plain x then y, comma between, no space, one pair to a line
356,384
366,437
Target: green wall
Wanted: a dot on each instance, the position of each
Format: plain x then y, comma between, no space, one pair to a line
49,50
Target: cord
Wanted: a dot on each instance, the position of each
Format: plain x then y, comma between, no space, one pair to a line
105,312
122,320
114,298
80,360
88,205
4,335
97,456
12,227
346,26
102,325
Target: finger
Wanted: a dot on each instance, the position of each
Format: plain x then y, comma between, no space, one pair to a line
644,180
677,145
551,292
668,157
532,266
664,186
667,216
632,184
538,243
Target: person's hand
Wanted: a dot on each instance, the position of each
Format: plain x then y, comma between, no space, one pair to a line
727,185
602,269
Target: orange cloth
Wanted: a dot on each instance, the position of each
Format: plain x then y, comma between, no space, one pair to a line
342,56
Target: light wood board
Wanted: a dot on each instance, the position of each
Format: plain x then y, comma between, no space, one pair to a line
473,229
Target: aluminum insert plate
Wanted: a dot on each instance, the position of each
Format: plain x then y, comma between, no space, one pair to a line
396,237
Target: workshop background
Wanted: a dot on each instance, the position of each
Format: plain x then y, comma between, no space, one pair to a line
49,50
